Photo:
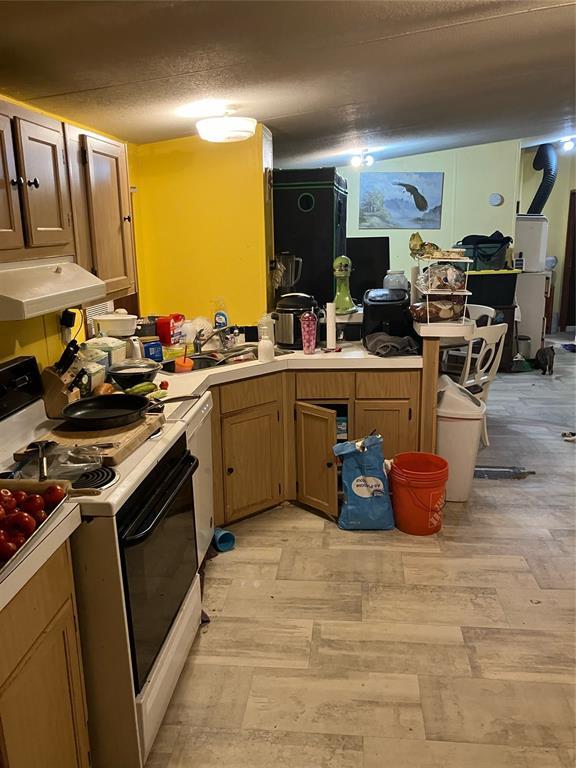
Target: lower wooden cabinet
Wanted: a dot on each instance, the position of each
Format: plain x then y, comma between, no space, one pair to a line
317,477
284,426
252,460
42,704
395,420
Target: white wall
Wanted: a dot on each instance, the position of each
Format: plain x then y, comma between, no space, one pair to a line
471,174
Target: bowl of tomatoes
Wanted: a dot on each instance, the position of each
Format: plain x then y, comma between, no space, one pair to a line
24,507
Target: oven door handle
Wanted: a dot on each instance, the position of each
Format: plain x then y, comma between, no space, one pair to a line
143,534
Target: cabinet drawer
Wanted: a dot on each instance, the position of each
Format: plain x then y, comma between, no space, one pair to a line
324,386
26,616
381,385
246,394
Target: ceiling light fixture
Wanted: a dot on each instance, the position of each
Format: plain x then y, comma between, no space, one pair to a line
204,108
226,129
362,159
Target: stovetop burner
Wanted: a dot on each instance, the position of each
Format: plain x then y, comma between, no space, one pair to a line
100,478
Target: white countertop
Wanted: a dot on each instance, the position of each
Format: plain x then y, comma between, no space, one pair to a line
352,357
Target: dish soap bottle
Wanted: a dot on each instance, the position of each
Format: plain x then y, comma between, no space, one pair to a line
265,347
220,315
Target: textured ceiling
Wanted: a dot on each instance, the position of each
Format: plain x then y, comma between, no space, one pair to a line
326,77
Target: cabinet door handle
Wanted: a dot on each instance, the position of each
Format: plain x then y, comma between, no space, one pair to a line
17,181
329,464
33,182
230,470
126,218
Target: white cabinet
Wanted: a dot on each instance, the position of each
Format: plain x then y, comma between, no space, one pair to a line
532,290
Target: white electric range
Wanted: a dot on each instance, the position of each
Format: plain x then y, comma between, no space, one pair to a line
136,556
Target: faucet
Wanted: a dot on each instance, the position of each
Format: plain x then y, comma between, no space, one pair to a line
200,339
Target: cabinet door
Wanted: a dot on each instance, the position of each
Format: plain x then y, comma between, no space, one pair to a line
10,222
109,210
252,460
317,473
393,419
45,197
42,715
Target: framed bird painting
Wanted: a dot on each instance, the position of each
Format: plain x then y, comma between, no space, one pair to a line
400,200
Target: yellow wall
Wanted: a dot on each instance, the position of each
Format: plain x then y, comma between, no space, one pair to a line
556,208
471,174
199,217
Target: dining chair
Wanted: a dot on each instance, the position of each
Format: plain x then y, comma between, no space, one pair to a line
477,311
481,364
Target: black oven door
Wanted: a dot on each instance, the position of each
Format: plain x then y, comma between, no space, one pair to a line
157,539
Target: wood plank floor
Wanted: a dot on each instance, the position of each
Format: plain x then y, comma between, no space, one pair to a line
330,649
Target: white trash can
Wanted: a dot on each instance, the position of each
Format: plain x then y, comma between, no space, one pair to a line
459,427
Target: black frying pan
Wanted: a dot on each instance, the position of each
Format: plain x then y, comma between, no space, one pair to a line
111,411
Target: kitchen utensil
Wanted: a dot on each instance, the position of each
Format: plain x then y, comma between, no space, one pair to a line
67,357
308,323
292,269
42,446
343,300
118,323
287,315
65,462
111,411
131,372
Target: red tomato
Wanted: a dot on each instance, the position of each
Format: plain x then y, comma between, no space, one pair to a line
39,516
22,522
164,384
2,512
18,538
20,496
9,503
7,549
53,495
34,503
5,493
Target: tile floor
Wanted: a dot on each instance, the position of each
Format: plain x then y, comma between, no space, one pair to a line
330,649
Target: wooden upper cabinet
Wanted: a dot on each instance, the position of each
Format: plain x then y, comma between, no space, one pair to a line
45,198
109,212
10,222
316,464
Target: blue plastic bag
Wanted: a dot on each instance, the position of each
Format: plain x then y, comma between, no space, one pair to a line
367,505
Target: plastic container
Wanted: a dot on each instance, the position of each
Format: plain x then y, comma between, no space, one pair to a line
223,540
308,324
118,323
169,329
265,347
524,346
460,416
418,485
266,326
183,365
114,348
396,279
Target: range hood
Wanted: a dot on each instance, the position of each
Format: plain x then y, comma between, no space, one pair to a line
36,288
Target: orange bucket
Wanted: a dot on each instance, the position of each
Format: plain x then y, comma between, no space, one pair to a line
418,486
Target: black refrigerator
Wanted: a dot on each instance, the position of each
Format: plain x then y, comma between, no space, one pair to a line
310,222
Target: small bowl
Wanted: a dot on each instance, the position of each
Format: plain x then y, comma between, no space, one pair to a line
131,372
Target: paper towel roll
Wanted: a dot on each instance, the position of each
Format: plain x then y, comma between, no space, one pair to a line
330,325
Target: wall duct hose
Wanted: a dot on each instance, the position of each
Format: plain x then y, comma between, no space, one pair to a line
546,161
